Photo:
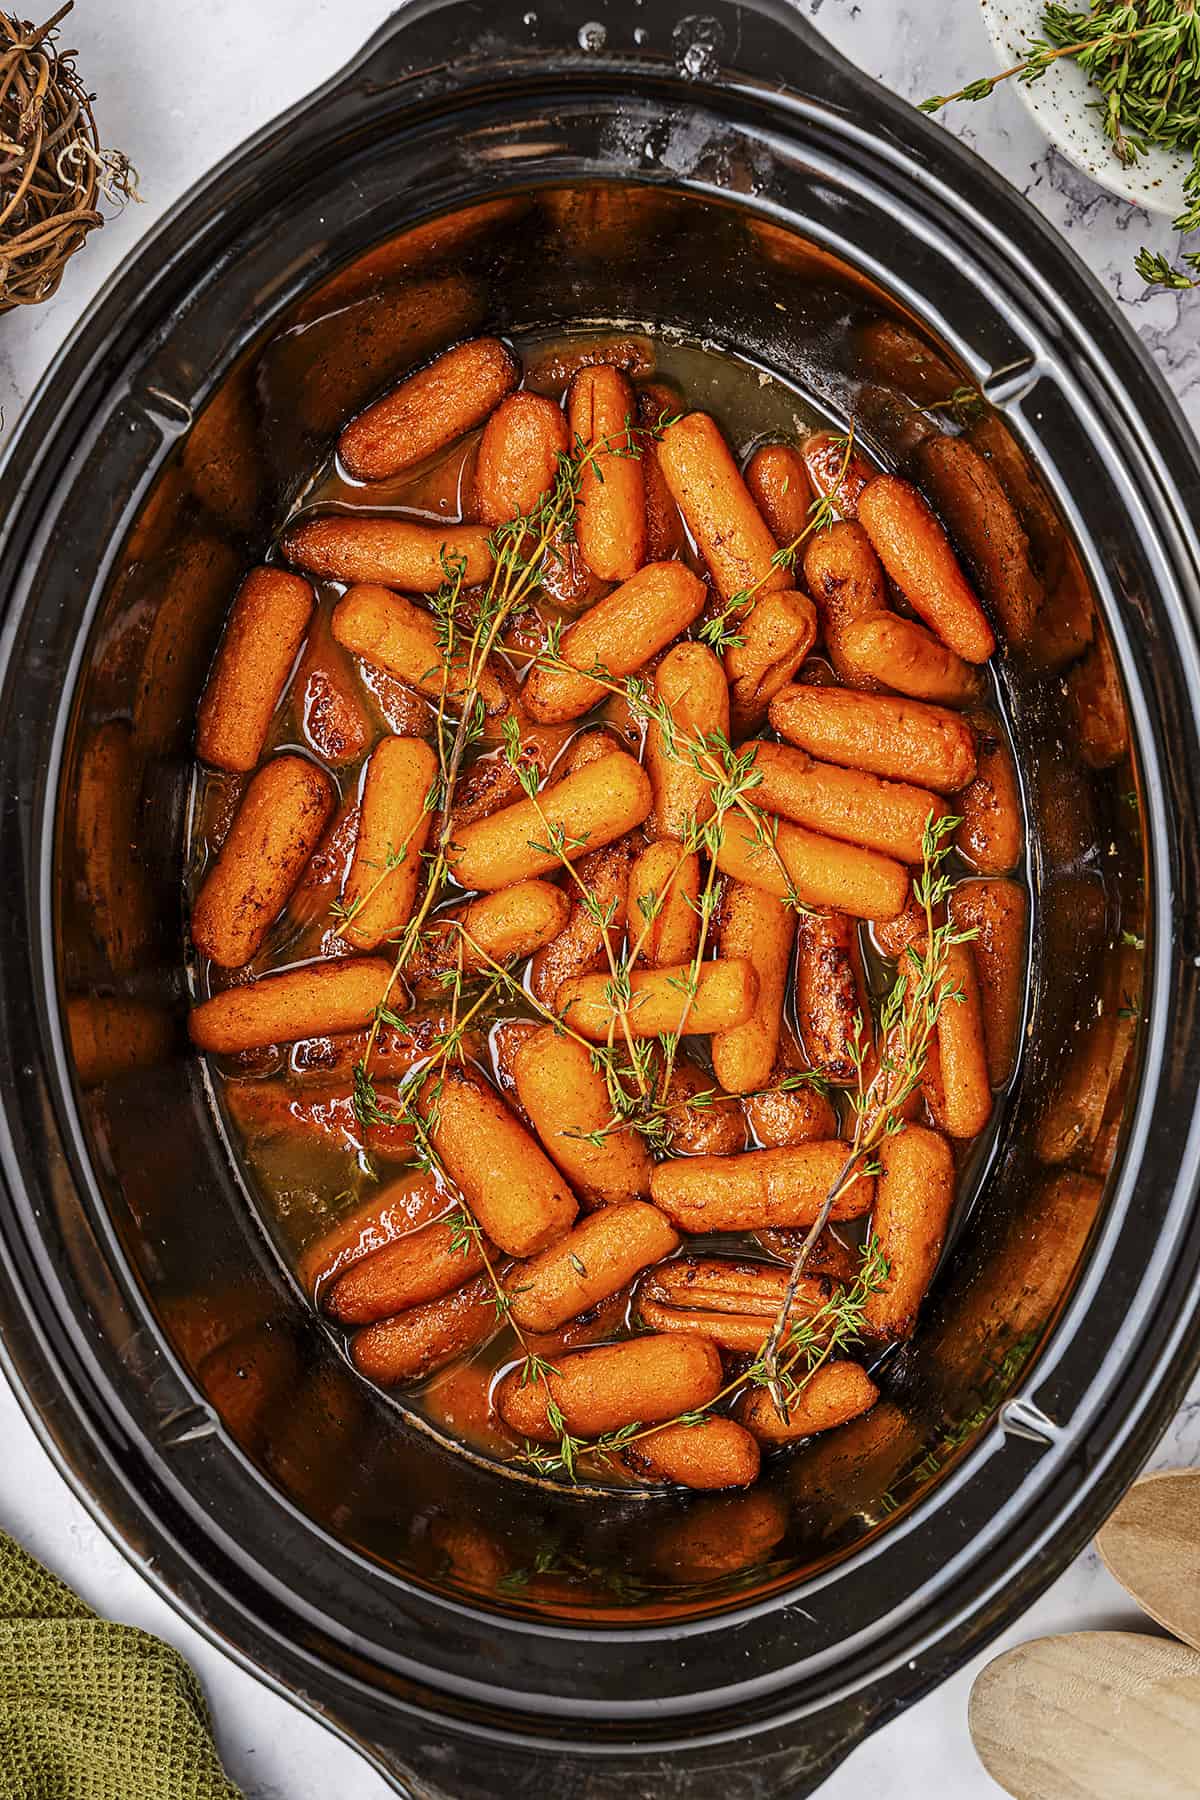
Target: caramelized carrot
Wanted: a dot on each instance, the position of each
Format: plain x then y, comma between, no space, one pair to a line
518,459
985,526
705,1455
990,836
393,1211
329,709
664,527
732,536
844,577
497,928
393,827
594,925
389,631
835,1393
300,1003
600,1255
778,484
901,740
415,1343
836,475
996,911
756,927
419,1267
956,1077
265,629
618,634
789,1114
661,1000
690,684
733,1302
567,1100
513,1190
832,1010
818,871
889,816
277,828
916,553
664,896
644,1379
395,552
759,1188
913,1197
774,637
429,409
610,520
898,653
591,808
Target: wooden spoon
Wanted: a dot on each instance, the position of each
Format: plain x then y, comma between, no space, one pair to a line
1151,1545
1094,1715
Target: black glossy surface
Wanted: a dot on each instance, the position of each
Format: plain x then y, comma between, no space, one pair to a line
260,1525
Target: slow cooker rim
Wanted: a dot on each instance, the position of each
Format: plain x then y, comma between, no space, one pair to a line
58,372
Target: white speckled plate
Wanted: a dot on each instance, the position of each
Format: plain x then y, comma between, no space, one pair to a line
1060,102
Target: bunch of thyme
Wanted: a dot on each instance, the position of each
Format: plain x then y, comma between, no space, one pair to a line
1143,57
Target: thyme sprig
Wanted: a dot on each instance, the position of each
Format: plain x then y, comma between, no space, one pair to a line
1143,57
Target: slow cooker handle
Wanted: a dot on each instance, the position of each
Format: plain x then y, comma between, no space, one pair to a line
441,43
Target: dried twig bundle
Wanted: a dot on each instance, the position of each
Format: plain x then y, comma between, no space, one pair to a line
53,172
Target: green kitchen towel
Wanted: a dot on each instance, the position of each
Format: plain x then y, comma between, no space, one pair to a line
91,1710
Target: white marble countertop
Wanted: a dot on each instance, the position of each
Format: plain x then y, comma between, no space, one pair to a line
181,82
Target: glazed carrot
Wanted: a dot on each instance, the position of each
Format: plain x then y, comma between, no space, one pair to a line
761,1187
913,1197
858,808
778,484
781,1115
567,1101
956,1076
898,653
396,552
660,1000
916,553
513,1190
844,577
996,911
300,1003
393,828
644,1379
664,894
906,930
610,519
600,1255
902,740
835,1393
389,631
991,836
703,1120
984,525
595,923
277,828
517,464
690,684
705,1455
393,1211
553,371
618,634
775,635
415,1343
732,536
502,927
396,1049
732,1302
321,1111
818,871
591,808
833,1014
328,706
419,1267
757,928
429,409
1095,693
833,474
656,403
265,629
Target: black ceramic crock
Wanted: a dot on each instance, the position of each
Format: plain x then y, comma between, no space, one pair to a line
724,176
